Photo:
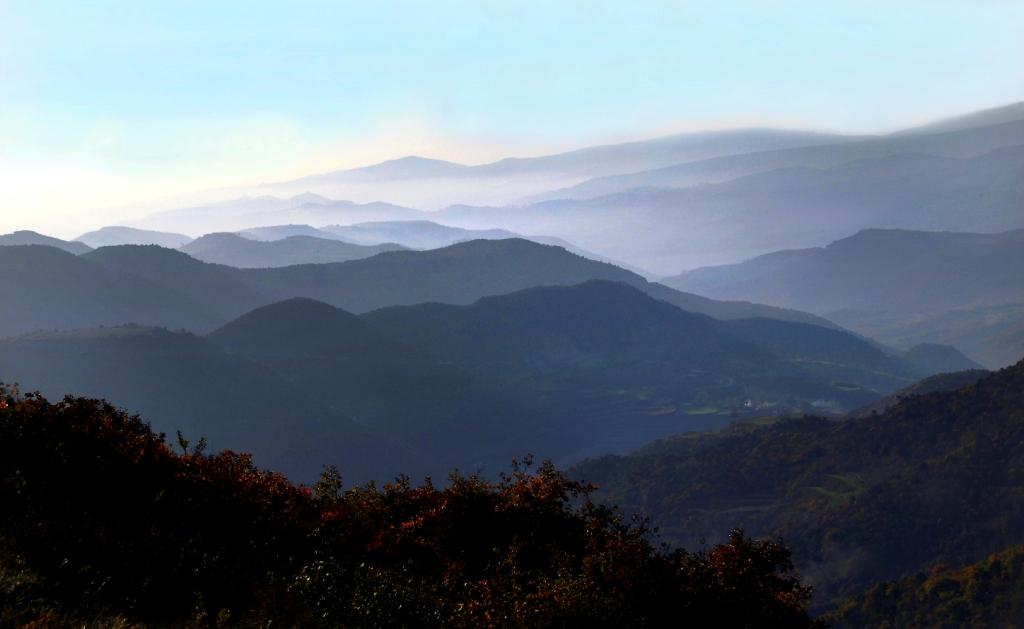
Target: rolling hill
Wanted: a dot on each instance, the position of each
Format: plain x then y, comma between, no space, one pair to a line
562,372
239,252
613,333
151,285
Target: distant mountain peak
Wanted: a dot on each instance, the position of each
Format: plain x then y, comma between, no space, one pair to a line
310,197
112,235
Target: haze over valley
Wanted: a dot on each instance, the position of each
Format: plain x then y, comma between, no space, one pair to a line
505,315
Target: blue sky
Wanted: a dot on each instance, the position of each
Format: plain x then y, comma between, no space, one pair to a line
105,103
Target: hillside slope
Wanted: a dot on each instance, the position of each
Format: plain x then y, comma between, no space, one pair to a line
50,288
861,500
983,594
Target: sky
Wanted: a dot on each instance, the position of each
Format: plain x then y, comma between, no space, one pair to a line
110,104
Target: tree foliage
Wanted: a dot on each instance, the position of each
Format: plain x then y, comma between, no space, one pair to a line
989,593
104,522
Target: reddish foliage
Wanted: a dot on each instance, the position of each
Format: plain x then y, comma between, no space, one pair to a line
108,521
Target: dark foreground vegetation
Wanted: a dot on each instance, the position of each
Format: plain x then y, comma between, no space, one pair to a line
104,523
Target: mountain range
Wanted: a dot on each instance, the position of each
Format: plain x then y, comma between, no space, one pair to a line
459,274
676,197
971,136
678,228
562,372
897,286
432,183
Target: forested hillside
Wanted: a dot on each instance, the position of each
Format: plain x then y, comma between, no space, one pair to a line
983,594
930,480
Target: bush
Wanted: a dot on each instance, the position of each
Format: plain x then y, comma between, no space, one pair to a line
105,523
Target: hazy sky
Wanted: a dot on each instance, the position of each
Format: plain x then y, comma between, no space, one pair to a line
107,103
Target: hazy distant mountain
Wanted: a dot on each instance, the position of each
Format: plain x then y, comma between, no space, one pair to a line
786,208
305,208
49,288
881,278
414,234
277,232
236,251
410,167
974,136
430,183
876,270
994,335
25,237
120,235
679,198
983,118
590,161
